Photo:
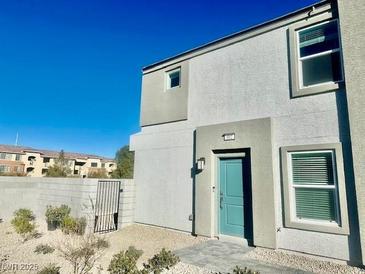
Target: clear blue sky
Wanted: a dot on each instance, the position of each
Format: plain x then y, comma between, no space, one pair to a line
70,70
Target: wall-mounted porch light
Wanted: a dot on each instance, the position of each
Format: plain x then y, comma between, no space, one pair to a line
200,163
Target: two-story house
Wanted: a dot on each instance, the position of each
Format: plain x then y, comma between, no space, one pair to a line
257,135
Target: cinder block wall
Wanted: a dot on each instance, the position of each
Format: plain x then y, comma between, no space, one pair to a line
79,194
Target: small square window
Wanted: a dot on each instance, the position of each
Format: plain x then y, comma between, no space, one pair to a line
316,62
93,164
173,78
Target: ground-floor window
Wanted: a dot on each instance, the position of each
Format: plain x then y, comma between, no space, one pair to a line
313,183
315,197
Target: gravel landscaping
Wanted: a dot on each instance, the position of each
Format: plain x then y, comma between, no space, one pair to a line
149,239
305,263
13,250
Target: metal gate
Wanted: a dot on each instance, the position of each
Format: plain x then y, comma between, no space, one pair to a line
107,206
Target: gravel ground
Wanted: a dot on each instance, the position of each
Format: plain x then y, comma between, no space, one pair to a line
182,268
305,263
151,240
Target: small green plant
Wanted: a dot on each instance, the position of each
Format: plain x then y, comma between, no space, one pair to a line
125,262
50,269
165,259
71,225
24,213
43,249
23,223
239,270
55,215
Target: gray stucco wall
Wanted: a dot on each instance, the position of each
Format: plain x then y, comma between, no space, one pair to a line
352,22
253,134
244,81
159,105
163,157
80,194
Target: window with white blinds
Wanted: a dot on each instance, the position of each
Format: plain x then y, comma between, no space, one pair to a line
319,54
312,177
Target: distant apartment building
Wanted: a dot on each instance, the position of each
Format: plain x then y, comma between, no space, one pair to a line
35,162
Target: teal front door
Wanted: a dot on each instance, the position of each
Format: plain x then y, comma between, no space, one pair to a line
231,197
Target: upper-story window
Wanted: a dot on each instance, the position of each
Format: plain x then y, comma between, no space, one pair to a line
17,157
173,78
319,54
102,165
315,57
5,156
93,164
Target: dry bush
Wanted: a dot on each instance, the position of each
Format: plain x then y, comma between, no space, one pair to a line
82,251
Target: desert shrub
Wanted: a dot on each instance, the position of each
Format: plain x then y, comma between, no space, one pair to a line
23,223
239,270
71,225
50,269
125,262
24,213
43,249
82,252
55,215
163,260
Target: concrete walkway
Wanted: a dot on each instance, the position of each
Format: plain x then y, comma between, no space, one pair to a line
223,256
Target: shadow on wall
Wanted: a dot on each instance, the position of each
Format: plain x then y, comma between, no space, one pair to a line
194,171
345,138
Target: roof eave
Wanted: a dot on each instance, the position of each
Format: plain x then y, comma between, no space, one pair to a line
147,68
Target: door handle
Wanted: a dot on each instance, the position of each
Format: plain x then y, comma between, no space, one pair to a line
221,200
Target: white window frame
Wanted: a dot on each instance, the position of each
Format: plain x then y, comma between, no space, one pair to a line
297,88
327,52
168,79
340,226
292,188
